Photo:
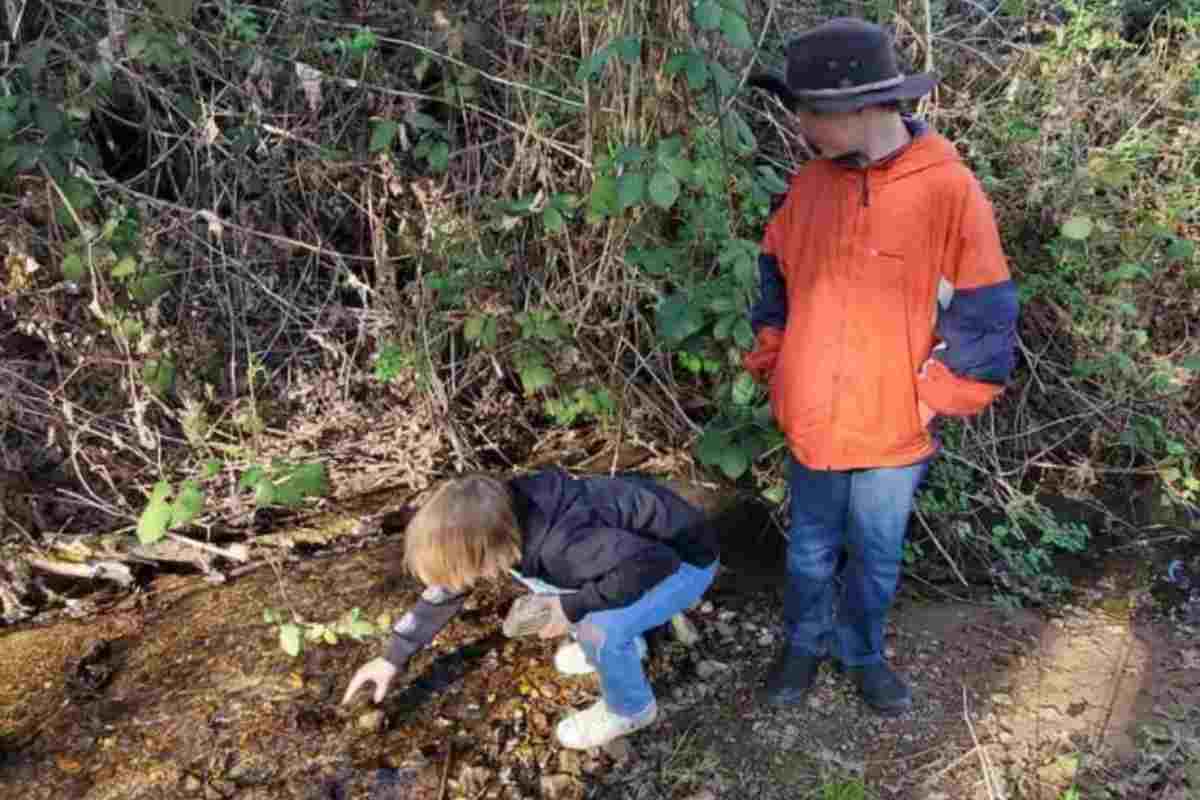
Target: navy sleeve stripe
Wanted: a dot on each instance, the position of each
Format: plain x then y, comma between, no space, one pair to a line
979,329
770,310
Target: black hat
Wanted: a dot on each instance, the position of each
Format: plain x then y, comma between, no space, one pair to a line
843,65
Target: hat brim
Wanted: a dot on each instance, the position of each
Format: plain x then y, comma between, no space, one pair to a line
913,87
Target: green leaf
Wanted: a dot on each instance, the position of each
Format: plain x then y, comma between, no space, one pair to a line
152,525
125,267
602,202
330,637
736,31
671,147
631,188
708,15
712,444
743,334
664,189
211,469
251,478
678,318
734,462
189,502
178,10
552,218
290,639
72,268
473,328
775,494
264,494
301,483
269,616
1180,250
724,327
629,48
382,133
535,377
744,390
592,65
770,181
726,82
361,629
1192,363
735,129
1077,228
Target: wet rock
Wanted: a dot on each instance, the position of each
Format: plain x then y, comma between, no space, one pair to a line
707,670
684,630
561,787
371,721
618,750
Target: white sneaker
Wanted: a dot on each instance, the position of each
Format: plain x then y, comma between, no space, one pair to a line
571,660
596,726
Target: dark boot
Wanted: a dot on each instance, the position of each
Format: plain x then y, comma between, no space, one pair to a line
790,678
880,688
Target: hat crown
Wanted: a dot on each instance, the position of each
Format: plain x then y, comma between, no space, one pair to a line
842,56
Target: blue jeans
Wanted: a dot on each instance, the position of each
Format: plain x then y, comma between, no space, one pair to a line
863,512
607,637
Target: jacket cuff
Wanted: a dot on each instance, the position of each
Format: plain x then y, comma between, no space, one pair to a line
399,651
952,396
760,362
578,605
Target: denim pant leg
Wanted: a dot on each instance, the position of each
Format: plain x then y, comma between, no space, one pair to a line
819,505
607,637
881,502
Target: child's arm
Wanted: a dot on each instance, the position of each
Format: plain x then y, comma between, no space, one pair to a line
415,630
612,568
977,318
768,316
422,623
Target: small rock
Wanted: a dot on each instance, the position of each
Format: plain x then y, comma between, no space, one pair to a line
766,639
569,762
192,785
685,631
814,702
372,721
706,607
709,669
1002,699
561,787
726,630
1005,738
703,794
618,750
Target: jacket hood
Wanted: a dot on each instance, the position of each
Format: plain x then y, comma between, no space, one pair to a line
925,150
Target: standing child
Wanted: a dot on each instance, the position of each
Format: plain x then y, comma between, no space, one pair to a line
885,300
615,556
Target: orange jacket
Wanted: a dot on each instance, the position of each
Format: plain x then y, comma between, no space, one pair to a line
865,271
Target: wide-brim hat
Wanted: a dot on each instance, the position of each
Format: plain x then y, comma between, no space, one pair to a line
843,65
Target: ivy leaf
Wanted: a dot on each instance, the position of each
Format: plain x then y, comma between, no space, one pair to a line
711,446
251,478
473,328
1191,363
631,188
736,31
734,462
629,48
152,525
678,318
744,390
775,494
382,134
553,219
664,189
1077,228
290,639
770,181
743,334
535,377
125,267
1180,250
724,326
72,268
603,199
302,482
188,504
708,15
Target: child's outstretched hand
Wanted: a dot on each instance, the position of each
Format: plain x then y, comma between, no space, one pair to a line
378,671
558,624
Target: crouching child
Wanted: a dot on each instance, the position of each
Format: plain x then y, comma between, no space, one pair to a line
608,559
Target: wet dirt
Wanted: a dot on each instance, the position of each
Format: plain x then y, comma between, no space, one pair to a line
187,693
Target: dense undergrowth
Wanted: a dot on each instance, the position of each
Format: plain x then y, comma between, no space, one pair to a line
533,227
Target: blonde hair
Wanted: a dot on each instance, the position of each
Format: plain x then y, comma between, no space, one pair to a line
466,531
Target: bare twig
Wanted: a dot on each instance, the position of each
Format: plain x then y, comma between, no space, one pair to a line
984,761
